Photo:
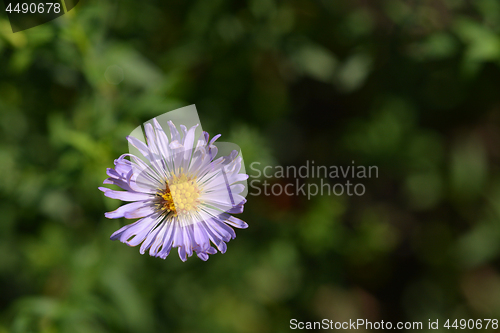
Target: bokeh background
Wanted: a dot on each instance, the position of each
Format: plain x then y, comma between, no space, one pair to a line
412,87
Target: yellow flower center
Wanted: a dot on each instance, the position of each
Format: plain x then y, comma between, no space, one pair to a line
180,195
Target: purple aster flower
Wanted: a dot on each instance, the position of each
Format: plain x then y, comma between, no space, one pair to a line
182,195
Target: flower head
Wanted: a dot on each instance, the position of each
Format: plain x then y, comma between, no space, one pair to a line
181,194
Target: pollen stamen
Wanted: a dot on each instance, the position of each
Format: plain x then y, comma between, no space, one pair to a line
180,195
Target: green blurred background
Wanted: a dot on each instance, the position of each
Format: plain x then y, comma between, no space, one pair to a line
412,87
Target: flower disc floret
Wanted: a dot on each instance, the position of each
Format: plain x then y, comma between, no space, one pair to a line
180,196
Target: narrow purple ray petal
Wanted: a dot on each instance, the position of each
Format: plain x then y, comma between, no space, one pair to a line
125,195
120,212
139,212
